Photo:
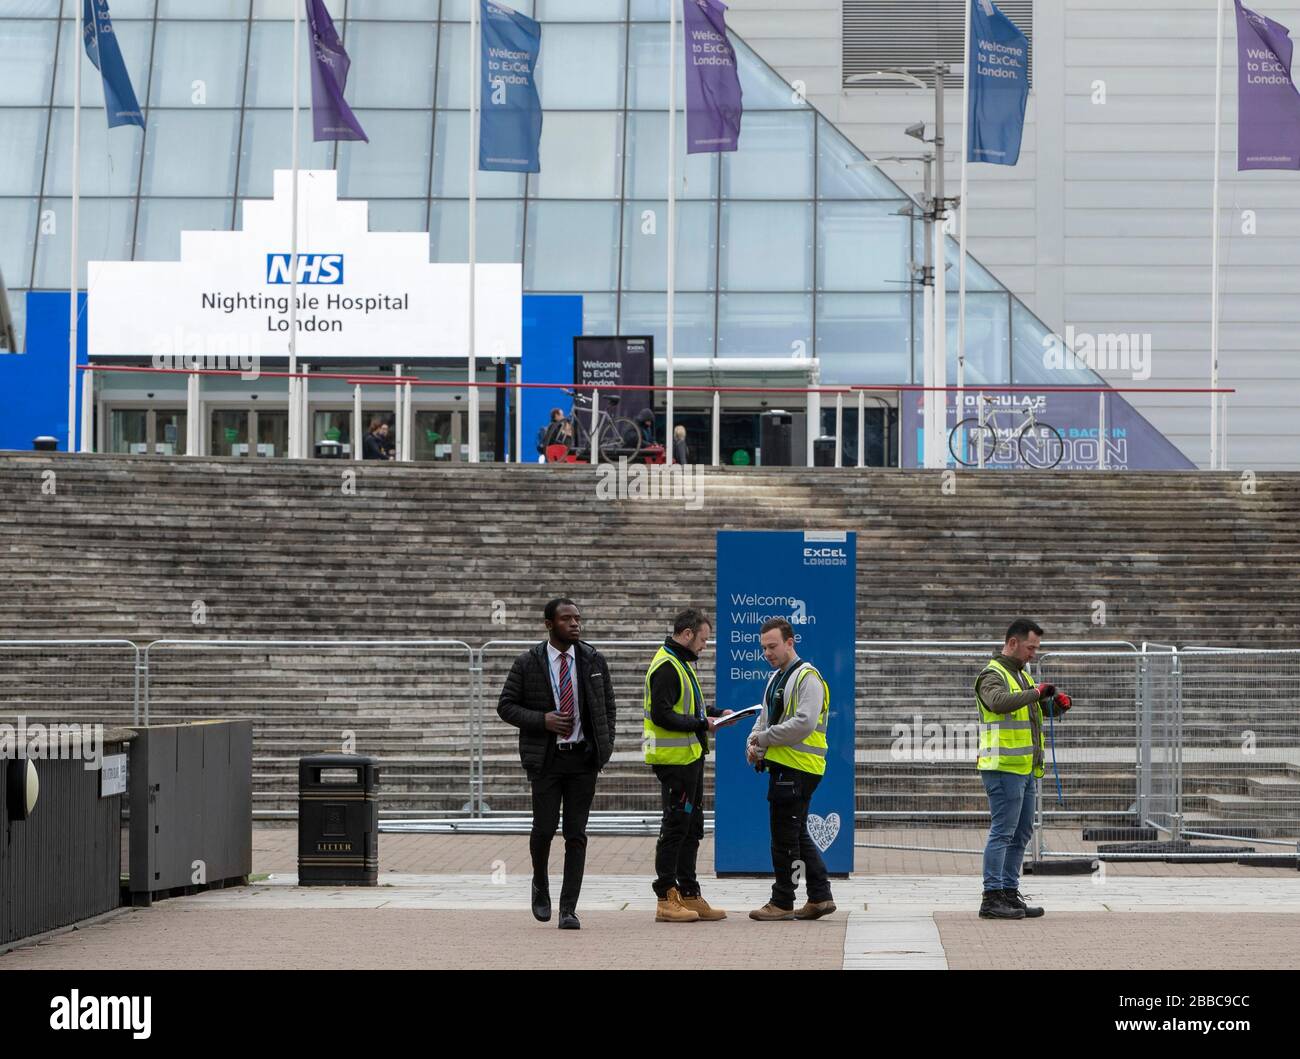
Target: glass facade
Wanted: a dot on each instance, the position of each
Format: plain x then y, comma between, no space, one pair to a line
792,246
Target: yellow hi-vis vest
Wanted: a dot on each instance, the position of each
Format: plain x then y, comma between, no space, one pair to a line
1007,739
661,745
810,755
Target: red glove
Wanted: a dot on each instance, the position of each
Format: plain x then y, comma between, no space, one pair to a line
1046,691
1063,702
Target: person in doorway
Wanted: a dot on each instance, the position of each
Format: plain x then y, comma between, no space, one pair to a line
375,445
547,434
680,454
676,740
560,696
645,421
789,743
1011,752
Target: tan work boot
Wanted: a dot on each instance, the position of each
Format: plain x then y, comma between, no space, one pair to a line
671,910
815,910
769,913
702,908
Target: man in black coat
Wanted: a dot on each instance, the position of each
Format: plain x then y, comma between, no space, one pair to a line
560,696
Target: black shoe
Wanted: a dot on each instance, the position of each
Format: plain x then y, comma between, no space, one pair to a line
569,920
996,906
541,904
1016,898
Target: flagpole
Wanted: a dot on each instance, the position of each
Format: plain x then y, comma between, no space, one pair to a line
475,48
961,219
672,227
1214,244
77,46
295,425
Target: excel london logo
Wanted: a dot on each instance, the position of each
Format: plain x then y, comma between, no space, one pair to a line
312,268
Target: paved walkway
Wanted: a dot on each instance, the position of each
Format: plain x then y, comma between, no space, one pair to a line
481,920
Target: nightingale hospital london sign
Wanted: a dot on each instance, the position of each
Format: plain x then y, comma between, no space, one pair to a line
360,293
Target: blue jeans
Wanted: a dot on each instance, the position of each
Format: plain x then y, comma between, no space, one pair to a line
1011,802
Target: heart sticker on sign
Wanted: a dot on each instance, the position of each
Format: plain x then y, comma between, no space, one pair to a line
823,830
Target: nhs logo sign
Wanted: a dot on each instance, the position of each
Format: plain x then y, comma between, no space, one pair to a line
312,268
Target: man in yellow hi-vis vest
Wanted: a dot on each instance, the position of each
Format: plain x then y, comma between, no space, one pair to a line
676,739
1011,753
789,742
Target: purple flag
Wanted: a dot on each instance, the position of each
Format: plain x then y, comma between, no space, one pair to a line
331,117
713,107
1268,105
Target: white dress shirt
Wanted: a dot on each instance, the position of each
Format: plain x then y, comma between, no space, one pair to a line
554,656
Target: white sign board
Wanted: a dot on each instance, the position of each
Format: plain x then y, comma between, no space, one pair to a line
360,293
112,775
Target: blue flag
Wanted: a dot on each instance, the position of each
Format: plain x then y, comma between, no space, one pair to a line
510,117
101,45
998,68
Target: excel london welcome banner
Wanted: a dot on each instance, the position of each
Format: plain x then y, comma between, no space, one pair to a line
808,578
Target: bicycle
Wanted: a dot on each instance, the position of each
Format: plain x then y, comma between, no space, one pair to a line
1038,444
616,436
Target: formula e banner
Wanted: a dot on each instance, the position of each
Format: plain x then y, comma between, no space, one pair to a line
1131,442
808,578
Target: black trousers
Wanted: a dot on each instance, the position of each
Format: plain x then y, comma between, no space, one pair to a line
567,782
681,829
794,854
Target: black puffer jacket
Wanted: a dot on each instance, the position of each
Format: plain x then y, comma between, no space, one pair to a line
527,697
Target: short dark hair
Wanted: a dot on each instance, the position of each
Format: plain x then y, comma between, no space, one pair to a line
548,612
691,619
787,633
1022,627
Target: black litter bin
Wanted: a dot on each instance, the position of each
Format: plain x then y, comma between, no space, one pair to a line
329,450
45,443
338,820
824,452
781,438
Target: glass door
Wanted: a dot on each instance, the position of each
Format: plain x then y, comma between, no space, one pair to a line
272,432
228,435
332,425
437,434
167,433
128,430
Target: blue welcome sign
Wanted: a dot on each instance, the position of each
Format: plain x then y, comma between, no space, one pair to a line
808,578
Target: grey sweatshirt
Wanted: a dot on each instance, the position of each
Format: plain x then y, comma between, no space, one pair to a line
808,708
992,691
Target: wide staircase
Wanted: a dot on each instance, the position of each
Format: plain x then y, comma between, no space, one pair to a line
248,554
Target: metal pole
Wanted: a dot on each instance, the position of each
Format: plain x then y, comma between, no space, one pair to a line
295,427
862,431
839,429
1101,431
961,235
77,46
927,306
358,427
400,440
594,432
940,276
717,428
518,405
87,410
472,394
1223,424
980,443
672,228
1214,241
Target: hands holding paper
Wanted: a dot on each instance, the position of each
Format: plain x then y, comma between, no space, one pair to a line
719,722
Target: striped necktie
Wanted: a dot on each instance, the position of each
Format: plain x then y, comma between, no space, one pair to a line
566,687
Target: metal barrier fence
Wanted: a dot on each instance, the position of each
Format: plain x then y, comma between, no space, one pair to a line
1197,743
71,680
412,703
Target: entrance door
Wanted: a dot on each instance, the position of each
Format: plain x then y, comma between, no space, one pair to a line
229,432
144,430
272,432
